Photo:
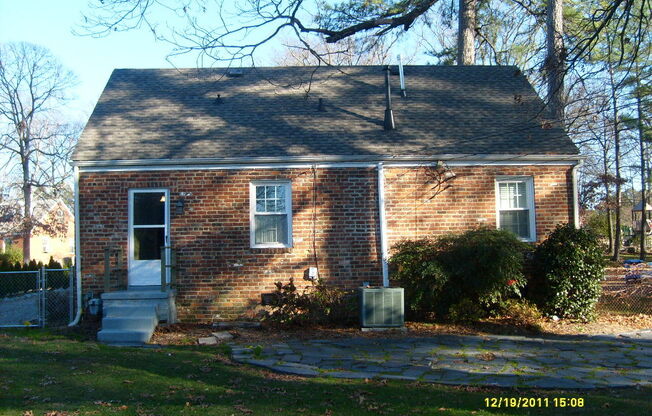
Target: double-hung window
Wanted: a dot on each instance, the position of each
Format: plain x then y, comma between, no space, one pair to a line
515,206
271,214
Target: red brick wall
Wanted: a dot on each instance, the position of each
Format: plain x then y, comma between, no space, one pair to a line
416,207
212,236
221,277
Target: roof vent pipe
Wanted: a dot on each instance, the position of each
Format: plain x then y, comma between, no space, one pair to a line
321,106
402,77
389,115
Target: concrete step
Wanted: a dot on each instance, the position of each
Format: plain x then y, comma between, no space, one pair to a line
129,311
116,336
137,295
163,301
145,323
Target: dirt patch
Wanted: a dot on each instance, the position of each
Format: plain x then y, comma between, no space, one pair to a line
605,324
187,334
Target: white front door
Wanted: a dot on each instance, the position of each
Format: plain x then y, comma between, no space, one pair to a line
148,232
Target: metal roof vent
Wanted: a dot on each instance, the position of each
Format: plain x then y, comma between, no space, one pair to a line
389,114
234,72
321,106
402,76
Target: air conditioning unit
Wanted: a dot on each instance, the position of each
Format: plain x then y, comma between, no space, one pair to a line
381,307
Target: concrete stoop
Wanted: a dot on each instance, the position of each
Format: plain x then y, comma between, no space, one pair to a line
130,317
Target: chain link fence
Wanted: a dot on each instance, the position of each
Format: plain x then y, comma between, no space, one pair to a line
627,290
45,297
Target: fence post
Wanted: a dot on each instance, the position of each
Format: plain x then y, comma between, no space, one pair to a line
173,268
163,268
107,269
71,293
43,297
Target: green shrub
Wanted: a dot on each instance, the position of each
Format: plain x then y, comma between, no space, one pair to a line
568,267
415,268
484,266
319,304
521,313
12,254
465,310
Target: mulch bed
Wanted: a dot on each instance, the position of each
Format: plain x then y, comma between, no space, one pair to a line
187,334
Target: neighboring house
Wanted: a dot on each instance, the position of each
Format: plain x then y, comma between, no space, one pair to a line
253,178
58,242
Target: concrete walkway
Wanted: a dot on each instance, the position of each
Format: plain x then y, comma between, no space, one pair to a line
504,361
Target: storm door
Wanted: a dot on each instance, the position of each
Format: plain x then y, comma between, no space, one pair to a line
148,232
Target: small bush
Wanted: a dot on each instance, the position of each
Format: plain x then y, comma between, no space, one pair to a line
568,267
521,313
12,255
319,304
416,269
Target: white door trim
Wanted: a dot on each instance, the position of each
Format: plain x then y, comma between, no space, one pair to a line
131,227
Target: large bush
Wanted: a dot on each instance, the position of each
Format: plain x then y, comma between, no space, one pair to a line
484,267
462,277
416,269
568,267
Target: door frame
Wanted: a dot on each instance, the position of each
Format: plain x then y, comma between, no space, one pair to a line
130,228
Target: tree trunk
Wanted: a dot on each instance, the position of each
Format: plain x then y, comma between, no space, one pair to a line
607,198
27,217
643,178
466,32
614,103
555,57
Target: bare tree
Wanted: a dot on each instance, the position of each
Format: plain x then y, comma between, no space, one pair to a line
36,146
314,52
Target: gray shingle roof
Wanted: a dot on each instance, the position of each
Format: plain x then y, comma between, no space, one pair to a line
267,112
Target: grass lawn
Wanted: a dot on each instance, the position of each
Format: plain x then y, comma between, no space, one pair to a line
55,374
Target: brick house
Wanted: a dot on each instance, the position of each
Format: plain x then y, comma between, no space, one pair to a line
255,176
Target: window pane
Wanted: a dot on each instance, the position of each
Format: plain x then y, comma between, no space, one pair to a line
270,205
522,196
270,192
148,243
260,206
270,229
260,192
512,195
149,208
280,192
517,222
280,204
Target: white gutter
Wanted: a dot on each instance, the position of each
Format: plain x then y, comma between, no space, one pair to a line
458,157
383,224
77,247
576,202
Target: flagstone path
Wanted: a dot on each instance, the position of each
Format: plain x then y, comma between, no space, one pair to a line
577,362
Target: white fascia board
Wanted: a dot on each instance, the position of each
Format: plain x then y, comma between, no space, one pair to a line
324,163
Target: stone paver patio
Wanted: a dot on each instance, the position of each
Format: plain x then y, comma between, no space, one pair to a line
504,361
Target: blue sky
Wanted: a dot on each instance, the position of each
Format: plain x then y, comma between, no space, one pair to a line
50,23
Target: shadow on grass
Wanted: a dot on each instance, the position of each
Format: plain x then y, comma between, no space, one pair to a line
57,372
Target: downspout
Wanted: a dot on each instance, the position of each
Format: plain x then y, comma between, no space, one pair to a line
77,247
576,202
383,224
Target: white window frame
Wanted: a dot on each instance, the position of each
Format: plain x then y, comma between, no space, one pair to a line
253,213
45,243
529,190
